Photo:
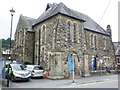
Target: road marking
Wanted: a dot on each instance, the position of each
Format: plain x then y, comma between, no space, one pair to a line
91,83
96,82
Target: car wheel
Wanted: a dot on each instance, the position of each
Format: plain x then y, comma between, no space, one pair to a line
42,77
28,79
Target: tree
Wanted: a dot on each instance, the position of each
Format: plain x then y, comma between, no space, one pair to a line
6,43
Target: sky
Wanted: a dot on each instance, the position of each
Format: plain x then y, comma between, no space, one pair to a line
96,9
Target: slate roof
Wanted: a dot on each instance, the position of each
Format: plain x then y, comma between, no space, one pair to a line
54,9
117,48
25,22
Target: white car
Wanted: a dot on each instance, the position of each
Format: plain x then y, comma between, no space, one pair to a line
18,73
36,70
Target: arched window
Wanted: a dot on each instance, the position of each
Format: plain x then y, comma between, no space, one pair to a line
74,28
91,40
50,60
95,42
68,31
104,42
43,55
43,34
36,52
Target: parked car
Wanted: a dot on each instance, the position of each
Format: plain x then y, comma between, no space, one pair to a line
17,72
36,70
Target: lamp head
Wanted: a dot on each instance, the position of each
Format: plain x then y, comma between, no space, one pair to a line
12,11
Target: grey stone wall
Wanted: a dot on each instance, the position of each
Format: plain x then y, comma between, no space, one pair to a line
100,51
24,45
56,43
61,45
53,53
29,47
18,46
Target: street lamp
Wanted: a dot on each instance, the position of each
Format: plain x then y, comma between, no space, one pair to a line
73,70
12,11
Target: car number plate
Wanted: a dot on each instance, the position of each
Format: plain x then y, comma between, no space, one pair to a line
24,77
39,72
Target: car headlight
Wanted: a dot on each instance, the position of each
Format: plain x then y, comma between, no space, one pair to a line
21,74
16,73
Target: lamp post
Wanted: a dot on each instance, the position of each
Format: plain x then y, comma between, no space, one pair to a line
101,62
12,11
73,70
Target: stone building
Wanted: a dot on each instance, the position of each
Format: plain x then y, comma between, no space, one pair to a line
24,40
117,53
60,32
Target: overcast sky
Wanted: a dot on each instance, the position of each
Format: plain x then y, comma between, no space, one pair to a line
34,8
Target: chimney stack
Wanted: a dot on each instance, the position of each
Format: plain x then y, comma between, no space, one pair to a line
109,30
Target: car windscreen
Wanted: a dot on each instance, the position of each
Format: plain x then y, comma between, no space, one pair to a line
38,68
16,67
22,67
29,67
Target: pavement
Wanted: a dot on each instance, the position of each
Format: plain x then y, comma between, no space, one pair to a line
104,81
93,79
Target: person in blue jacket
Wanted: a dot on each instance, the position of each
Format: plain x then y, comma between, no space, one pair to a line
4,73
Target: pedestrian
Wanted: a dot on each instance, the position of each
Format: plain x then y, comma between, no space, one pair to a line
4,73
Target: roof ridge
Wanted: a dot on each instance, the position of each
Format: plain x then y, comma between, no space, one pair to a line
21,21
27,17
61,8
25,22
95,23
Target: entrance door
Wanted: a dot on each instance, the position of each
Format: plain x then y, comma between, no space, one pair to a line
71,64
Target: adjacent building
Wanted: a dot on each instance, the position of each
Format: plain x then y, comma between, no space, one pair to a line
60,33
24,40
117,54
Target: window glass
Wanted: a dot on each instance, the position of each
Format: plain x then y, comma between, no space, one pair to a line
74,32
68,27
38,68
29,67
95,42
91,40
43,34
16,67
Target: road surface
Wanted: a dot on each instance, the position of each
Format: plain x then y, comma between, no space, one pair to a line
106,81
